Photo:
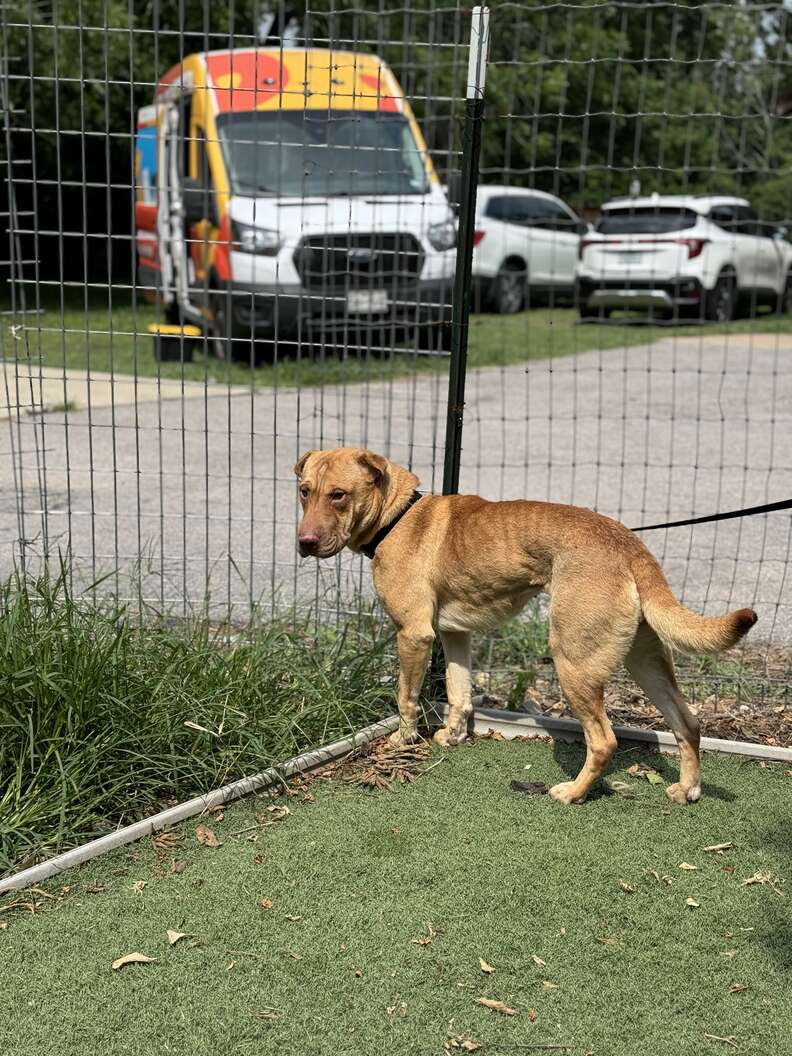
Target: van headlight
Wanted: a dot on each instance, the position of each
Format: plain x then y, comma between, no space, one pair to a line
249,239
442,236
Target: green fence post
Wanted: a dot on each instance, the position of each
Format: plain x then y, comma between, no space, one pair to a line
463,277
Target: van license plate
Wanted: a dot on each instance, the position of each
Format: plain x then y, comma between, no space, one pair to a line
367,302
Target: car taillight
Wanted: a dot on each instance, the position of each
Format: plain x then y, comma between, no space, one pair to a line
477,237
695,246
582,245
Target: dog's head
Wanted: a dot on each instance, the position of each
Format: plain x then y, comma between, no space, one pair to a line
343,493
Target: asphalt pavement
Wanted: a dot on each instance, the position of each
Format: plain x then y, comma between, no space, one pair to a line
189,492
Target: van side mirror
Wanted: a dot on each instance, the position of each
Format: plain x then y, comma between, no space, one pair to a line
583,228
199,202
780,233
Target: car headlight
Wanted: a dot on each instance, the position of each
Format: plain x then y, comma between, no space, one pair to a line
442,236
249,239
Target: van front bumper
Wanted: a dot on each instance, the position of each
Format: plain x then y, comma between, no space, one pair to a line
270,312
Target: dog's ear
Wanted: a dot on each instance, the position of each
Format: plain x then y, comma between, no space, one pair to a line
300,463
376,465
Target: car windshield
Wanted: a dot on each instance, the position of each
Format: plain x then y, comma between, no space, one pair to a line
307,153
645,220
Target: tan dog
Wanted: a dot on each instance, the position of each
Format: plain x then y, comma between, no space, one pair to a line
455,564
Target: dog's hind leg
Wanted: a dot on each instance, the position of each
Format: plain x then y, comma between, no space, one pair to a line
650,664
594,615
456,649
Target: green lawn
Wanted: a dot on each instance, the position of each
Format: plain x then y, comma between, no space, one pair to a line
581,911
118,341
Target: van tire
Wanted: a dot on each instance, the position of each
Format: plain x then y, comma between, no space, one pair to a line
171,349
785,297
229,341
720,303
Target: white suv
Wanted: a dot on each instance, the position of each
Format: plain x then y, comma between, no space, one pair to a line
524,239
679,254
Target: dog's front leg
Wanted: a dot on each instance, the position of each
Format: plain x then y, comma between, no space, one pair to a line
414,646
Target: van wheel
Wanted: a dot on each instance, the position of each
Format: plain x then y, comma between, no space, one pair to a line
230,342
508,289
785,298
720,303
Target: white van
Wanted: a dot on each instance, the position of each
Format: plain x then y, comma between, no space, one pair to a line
289,193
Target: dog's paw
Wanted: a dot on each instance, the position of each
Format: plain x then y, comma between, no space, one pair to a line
400,739
679,794
447,738
565,793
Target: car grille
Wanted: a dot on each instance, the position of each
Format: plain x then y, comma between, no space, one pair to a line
337,263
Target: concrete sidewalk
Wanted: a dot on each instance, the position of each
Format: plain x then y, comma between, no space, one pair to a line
199,481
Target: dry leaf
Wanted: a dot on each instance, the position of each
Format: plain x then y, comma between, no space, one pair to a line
642,770
138,885
687,866
548,985
3,925
485,967
730,1040
532,1014
95,889
737,988
538,961
429,938
764,878
461,1042
728,953
266,903
178,867
258,859
497,1006
265,1013
693,903
359,973
205,836
627,887
292,916
295,956
174,936
719,848
132,958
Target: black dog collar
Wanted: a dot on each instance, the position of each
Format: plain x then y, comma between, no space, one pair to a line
370,547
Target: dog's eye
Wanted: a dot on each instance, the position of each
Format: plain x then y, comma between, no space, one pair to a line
337,496
304,492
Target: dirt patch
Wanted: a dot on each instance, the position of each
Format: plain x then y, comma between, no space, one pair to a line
746,698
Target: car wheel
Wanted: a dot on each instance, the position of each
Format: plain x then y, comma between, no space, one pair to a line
508,290
785,298
721,301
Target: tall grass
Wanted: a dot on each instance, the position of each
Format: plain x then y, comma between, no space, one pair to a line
104,717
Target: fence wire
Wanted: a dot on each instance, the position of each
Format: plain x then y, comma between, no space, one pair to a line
279,208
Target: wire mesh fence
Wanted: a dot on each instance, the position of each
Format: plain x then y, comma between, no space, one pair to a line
230,239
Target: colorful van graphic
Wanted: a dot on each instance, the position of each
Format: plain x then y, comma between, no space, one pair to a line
287,193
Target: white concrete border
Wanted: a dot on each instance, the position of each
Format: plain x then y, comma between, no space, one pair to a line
199,805
519,724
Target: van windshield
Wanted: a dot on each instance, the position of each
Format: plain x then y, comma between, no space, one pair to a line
308,153
646,220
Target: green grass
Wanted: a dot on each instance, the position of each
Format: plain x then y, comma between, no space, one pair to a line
355,877
117,341
94,708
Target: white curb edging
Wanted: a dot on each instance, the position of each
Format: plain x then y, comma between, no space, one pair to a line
519,724
199,805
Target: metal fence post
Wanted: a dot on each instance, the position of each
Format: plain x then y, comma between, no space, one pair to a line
460,314
460,309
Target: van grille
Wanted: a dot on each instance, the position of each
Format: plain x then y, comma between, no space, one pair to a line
337,263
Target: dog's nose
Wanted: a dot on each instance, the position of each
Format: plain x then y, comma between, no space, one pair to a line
308,543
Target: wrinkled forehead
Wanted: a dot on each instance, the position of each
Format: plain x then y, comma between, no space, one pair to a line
330,469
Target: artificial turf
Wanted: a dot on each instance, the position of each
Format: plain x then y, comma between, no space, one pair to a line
590,899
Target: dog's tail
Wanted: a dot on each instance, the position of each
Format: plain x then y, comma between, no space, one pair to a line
678,626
